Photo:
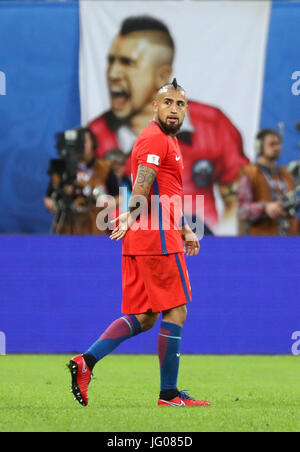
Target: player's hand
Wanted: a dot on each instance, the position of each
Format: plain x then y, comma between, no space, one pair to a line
191,242
125,222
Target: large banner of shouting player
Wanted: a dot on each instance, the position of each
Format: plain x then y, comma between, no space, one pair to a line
216,50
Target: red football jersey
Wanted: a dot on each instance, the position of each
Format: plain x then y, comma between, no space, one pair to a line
159,231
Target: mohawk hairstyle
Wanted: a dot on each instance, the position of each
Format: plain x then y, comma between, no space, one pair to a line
145,23
173,85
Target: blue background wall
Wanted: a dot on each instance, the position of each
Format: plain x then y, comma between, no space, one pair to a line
39,55
282,60
58,294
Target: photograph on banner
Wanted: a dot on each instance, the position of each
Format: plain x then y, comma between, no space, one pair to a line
128,52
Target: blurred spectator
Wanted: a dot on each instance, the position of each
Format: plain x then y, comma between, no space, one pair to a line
262,188
118,162
74,203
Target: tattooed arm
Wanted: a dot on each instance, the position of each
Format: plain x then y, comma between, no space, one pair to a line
143,183
139,196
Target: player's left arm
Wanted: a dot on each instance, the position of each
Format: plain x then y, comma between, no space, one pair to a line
190,240
138,199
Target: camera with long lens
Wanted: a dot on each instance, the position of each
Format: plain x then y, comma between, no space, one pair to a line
291,202
63,170
294,166
69,197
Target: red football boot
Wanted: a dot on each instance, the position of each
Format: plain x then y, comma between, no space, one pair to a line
182,399
81,377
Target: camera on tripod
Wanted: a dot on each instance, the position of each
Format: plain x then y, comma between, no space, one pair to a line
291,202
294,166
68,195
63,170
70,146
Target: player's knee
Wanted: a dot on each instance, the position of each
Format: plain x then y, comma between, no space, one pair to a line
147,321
176,315
182,314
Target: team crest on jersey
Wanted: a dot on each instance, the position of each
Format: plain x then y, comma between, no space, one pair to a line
154,159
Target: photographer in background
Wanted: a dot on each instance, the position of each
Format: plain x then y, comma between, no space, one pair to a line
265,206
78,178
118,162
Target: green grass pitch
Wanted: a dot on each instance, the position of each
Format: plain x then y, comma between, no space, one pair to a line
248,393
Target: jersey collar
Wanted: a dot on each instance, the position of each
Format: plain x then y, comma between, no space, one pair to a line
154,123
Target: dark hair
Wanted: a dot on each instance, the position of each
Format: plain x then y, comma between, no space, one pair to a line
260,138
116,155
143,23
92,135
264,132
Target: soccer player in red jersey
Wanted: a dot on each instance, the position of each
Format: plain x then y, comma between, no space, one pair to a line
155,277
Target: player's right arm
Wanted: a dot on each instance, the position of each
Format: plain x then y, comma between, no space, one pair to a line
150,153
139,197
144,180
